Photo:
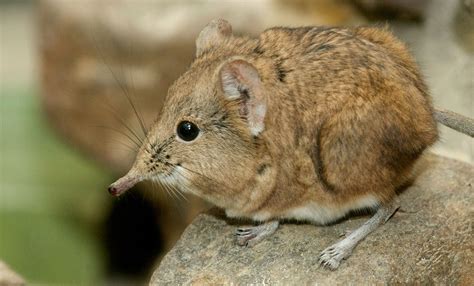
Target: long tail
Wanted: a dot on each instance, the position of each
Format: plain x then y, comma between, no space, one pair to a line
455,121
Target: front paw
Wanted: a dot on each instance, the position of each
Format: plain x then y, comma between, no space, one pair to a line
245,236
251,235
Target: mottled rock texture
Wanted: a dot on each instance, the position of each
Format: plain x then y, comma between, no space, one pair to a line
429,241
8,277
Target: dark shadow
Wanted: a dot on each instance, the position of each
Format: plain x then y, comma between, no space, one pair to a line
132,237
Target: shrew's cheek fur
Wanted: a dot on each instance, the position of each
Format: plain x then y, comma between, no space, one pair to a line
303,123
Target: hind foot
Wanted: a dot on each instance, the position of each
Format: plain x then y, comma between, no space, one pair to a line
332,256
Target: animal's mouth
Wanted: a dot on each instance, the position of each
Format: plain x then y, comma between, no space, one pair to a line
123,184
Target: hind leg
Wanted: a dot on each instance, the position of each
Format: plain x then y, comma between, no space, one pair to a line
332,256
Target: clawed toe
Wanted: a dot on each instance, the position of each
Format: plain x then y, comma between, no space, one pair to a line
332,256
244,235
243,231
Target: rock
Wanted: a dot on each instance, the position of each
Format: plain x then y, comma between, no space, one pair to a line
8,277
429,241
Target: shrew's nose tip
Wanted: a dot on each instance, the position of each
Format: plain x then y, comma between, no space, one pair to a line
123,184
113,191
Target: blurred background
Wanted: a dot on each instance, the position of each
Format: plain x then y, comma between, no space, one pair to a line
71,71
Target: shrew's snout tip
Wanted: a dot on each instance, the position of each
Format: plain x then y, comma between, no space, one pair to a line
116,190
113,191
122,185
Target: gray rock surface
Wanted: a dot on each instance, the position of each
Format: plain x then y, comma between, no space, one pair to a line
8,277
430,241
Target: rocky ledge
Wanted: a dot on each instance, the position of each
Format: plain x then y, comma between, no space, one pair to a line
429,241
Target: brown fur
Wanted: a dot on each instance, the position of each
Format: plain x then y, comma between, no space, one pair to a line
347,115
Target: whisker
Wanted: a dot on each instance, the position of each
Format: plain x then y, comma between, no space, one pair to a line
121,121
121,85
166,183
168,197
128,93
122,133
140,119
179,192
154,193
189,190
69,90
131,148
130,101
159,192
166,188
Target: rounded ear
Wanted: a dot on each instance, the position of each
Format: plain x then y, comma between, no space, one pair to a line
212,35
240,81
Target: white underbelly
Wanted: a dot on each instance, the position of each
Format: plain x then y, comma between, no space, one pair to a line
323,214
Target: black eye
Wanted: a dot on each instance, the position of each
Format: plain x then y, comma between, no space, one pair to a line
187,131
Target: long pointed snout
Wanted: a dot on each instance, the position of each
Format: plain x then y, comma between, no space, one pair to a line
123,184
